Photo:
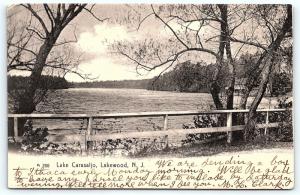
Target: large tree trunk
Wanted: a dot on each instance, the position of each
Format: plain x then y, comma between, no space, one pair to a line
215,88
215,91
236,135
249,130
225,45
28,102
244,98
231,66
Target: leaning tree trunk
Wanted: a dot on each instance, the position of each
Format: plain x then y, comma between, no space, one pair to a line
244,98
28,102
249,130
250,83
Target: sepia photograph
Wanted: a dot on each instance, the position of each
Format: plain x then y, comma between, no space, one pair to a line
161,96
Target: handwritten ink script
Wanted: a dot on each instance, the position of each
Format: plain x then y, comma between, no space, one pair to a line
231,172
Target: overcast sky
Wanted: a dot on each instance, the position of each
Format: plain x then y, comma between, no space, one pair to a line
94,38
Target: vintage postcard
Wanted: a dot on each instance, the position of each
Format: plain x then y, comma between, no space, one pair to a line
150,96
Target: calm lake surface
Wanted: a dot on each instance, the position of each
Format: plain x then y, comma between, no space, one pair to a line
103,100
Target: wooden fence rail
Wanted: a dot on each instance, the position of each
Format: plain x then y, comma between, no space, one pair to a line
90,136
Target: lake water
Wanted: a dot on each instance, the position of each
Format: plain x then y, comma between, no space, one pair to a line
103,100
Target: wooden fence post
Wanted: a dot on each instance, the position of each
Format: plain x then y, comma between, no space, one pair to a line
165,122
165,129
15,127
267,123
229,124
89,132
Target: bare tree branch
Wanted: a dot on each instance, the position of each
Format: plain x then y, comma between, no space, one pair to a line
36,32
34,13
90,11
169,27
140,23
49,14
248,43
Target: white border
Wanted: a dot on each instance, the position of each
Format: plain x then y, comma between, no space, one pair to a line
3,100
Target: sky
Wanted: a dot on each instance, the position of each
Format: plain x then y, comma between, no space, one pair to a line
94,40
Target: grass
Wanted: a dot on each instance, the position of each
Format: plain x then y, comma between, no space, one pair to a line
215,148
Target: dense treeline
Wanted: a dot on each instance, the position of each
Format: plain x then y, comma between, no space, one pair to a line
134,84
185,77
46,82
196,77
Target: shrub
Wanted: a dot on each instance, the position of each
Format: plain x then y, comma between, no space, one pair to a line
33,140
202,121
284,132
285,119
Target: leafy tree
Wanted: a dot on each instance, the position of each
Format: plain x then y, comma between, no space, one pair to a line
281,84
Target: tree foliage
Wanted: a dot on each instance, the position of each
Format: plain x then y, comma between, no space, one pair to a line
185,77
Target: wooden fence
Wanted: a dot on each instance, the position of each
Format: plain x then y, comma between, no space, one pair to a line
91,136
